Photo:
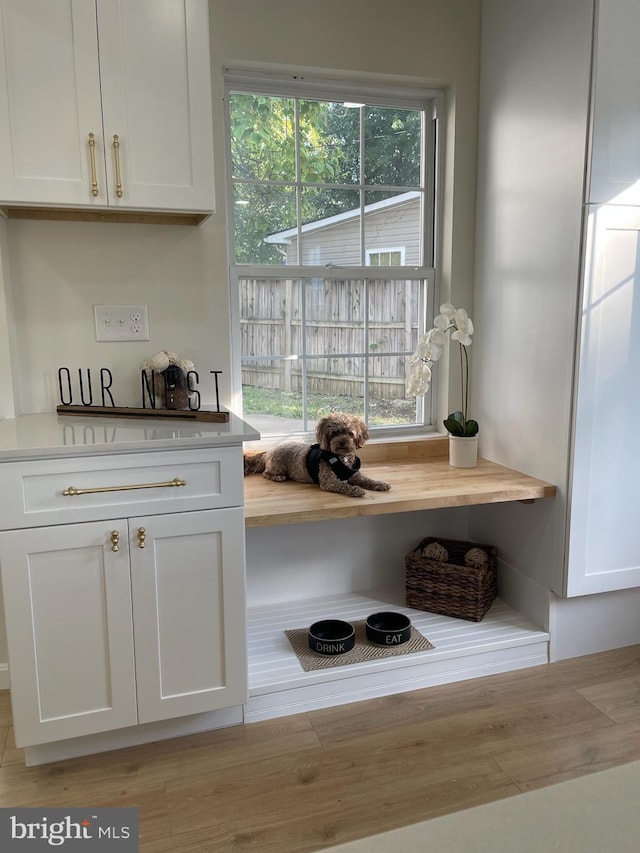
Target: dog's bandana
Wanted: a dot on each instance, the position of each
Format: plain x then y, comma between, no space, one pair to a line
342,471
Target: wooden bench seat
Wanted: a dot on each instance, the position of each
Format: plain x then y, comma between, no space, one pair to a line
420,478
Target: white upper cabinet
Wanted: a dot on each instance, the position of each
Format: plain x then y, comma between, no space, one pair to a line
615,160
106,104
49,102
156,98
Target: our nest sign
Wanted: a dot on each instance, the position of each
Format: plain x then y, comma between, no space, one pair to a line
171,388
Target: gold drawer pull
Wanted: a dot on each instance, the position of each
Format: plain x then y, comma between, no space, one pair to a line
115,540
92,157
70,491
116,154
142,537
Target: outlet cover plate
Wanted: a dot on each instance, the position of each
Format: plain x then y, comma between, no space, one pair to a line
121,322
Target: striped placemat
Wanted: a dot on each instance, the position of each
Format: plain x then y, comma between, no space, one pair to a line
364,649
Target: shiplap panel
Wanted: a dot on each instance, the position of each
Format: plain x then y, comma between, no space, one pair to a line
278,685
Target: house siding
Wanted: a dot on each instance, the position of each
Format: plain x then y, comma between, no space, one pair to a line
339,244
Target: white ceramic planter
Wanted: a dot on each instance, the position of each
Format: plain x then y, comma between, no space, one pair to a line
463,451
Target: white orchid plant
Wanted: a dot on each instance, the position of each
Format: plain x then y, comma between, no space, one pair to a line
456,323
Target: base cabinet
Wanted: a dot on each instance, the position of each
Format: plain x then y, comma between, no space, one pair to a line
123,622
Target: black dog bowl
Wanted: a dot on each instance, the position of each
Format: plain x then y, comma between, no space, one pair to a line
332,637
388,629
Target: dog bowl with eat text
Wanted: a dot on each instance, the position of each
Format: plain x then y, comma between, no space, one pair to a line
388,628
332,637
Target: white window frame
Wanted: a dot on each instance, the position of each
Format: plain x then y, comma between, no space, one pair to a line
385,251
398,96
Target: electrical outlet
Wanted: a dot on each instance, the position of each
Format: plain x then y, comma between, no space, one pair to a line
121,322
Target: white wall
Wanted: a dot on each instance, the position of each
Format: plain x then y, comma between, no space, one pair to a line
59,270
534,97
6,382
300,561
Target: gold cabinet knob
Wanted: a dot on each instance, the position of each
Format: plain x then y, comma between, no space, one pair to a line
142,534
115,540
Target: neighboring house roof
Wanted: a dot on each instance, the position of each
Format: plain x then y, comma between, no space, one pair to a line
328,222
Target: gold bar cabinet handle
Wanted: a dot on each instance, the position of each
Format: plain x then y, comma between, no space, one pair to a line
70,491
116,154
142,536
92,155
115,540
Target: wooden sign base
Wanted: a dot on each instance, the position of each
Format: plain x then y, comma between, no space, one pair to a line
129,412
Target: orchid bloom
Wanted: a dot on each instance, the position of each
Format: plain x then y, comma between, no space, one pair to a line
429,350
419,378
464,327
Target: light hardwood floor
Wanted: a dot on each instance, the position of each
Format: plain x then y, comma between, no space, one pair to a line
310,781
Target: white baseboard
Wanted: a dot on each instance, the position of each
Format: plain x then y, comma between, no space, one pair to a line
4,676
593,623
373,685
133,736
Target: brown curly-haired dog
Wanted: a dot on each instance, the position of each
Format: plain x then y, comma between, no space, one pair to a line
332,463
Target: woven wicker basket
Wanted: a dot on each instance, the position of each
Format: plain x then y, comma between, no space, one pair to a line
451,588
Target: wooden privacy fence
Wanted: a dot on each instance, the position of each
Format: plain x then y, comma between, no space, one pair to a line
335,326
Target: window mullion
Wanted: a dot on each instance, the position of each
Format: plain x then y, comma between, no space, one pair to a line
329,272
301,281
303,346
298,184
362,190
367,350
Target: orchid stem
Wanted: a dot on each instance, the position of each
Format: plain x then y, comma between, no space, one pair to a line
463,390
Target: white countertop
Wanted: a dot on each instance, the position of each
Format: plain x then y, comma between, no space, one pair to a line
49,435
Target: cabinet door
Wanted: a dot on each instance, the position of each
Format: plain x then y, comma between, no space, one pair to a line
49,103
604,540
615,168
156,98
188,585
69,630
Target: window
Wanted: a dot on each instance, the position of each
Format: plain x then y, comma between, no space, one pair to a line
385,257
334,219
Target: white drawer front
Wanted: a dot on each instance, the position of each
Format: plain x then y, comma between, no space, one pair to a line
33,493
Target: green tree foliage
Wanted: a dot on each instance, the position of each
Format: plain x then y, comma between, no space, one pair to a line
328,157
392,141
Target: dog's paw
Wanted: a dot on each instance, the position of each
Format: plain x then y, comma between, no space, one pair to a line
382,487
277,478
356,492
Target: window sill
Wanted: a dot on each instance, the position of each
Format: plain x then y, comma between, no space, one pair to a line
420,477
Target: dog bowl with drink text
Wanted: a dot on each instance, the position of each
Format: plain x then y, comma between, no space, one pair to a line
332,637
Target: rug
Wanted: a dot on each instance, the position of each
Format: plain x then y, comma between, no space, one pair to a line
592,813
364,650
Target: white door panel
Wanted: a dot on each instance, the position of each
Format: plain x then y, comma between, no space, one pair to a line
604,547
156,97
68,613
188,602
49,102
